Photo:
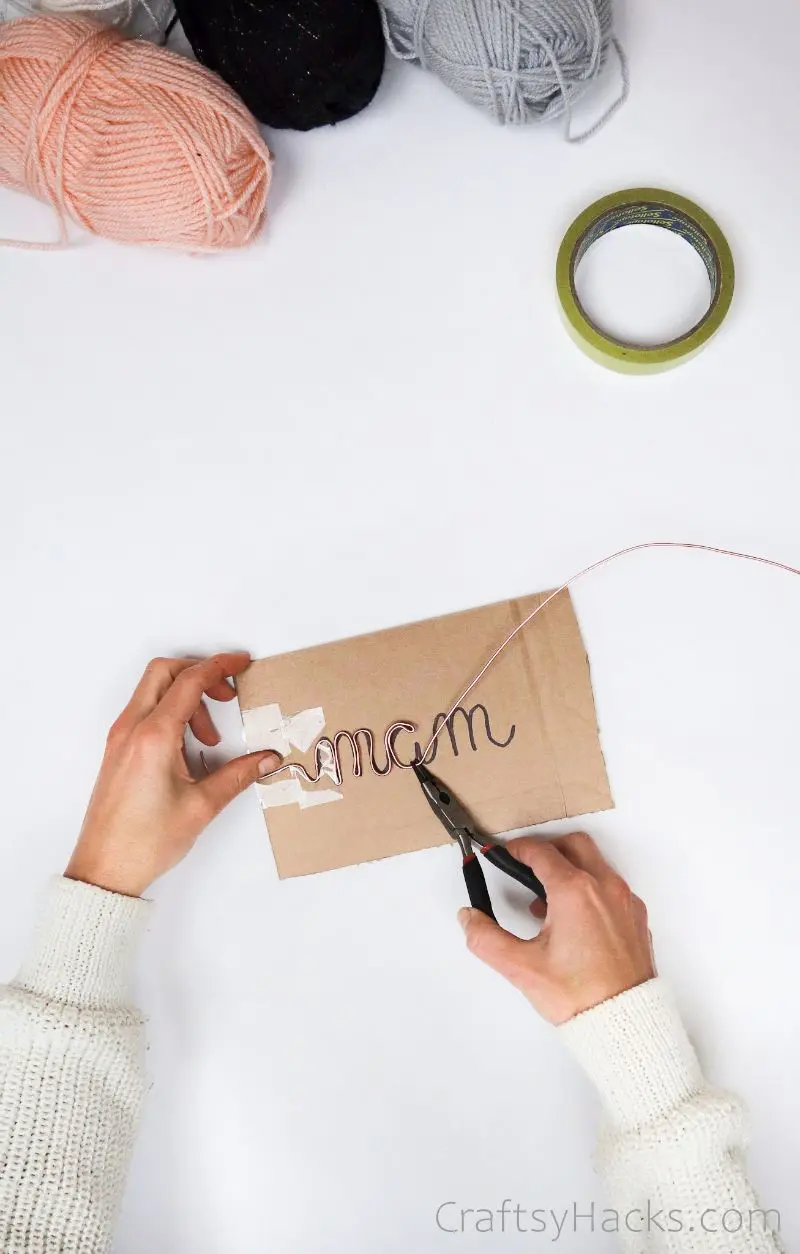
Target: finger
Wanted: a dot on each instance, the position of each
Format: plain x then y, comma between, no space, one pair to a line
504,953
183,698
223,691
545,860
579,849
158,676
202,726
229,780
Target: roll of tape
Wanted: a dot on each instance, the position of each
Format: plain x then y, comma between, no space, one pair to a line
647,206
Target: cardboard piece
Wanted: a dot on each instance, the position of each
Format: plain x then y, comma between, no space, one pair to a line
525,748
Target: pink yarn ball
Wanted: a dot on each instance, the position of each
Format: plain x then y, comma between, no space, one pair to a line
133,142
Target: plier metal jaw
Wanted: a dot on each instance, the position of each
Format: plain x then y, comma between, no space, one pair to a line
458,823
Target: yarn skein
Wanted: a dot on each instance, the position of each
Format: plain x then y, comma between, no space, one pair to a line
295,63
133,142
519,60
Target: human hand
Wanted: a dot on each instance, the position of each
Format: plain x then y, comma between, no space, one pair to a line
147,810
594,942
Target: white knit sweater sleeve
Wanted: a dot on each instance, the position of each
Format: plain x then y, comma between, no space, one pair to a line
72,1082
71,1074
672,1148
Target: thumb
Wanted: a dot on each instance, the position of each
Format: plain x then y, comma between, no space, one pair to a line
229,780
498,948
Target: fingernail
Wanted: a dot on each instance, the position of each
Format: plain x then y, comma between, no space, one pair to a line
270,763
464,915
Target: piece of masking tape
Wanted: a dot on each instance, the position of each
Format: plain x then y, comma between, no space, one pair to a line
287,792
266,727
647,206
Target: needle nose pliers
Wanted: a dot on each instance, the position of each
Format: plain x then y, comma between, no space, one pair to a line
458,823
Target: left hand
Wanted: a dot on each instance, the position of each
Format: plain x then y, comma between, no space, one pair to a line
147,810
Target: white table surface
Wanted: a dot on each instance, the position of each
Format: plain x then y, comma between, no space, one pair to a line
373,416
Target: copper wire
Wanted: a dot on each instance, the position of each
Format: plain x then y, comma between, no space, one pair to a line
587,570
329,746
327,760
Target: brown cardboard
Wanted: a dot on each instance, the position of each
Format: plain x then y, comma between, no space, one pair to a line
552,768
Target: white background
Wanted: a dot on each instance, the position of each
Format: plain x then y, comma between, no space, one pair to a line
372,416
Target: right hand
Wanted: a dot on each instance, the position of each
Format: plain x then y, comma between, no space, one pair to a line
594,942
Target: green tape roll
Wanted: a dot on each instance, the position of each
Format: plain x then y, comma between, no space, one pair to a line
651,207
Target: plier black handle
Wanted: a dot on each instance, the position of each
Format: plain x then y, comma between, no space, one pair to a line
458,822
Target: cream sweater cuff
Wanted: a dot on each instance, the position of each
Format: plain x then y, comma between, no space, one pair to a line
635,1049
84,945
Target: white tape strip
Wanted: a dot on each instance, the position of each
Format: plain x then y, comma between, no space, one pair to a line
266,727
327,762
287,792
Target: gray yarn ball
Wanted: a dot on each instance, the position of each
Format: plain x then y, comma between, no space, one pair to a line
519,60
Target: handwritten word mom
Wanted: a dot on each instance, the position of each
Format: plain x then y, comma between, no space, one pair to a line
361,743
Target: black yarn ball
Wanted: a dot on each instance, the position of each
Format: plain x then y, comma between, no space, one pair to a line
295,63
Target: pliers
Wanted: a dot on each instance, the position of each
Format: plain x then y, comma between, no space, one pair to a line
458,822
